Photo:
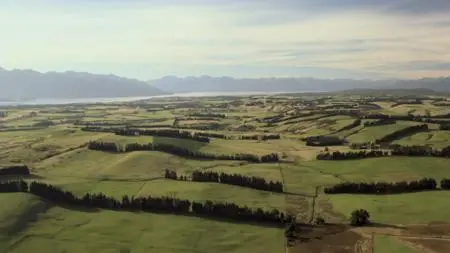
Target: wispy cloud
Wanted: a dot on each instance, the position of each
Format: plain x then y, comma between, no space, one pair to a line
152,38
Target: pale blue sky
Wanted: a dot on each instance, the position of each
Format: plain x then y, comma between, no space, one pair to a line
148,39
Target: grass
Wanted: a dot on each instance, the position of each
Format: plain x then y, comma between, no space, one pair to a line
370,134
17,211
411,208
33,146
58,229
436,139
383,169
267,171
63,230
194,191
303,179
384,244
90,164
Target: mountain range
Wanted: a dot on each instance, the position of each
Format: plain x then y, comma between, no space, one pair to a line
218,84
29,84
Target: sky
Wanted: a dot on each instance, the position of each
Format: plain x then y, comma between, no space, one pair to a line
149,39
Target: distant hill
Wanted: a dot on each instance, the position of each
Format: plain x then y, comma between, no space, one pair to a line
28,84
217,84
436,84
392,91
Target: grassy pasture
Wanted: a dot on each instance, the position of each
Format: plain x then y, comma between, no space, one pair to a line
194,191
370,134
64,230
135,165
48,152
411,208
435,139
17,212
383,169
33,146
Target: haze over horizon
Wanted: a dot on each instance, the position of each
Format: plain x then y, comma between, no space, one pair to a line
142,39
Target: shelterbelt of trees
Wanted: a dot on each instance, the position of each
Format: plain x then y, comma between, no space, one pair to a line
380,122
396,150
257,183
355,123
15,170
410,102
183,152
208,115
169,205
323,140
162,133
408,117
180,134
425,184
402,133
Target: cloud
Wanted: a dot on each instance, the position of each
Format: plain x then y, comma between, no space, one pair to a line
149,39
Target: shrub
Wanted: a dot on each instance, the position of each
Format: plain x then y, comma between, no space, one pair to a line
320,221
359,218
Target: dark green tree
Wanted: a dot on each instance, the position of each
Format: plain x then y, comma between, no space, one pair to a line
359,218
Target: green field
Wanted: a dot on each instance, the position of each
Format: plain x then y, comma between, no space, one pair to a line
436,139
416,208
384,169
58,155
65,230
370,134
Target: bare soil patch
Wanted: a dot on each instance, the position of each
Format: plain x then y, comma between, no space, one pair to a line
330,239
432,229
430,245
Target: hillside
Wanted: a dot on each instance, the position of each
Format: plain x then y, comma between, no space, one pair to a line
217,84
25,84
214,174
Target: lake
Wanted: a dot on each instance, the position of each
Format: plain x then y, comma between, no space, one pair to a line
62,101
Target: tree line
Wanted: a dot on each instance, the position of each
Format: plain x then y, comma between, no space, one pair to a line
410,117
444,126
210,115
338,155
281,117
172,133
15,170
411,102
365,145
445,184
424,184
396,150
257,183
402,133
442,103
118,123
323,140
241,137
355,123
179,151
379,122
151,204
